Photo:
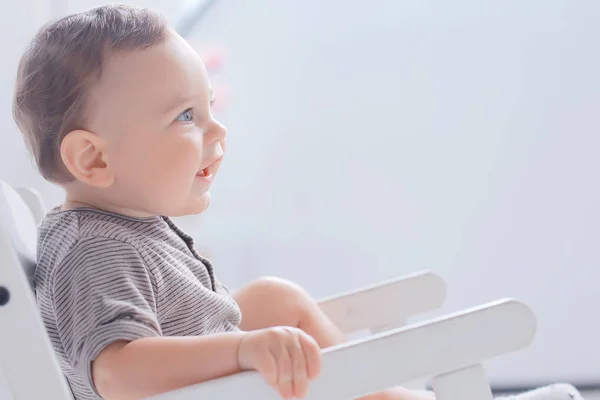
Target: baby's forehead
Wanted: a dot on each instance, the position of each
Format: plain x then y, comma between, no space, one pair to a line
150,67
152,75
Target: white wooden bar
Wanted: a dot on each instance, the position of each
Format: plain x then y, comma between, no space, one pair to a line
465,384
365,366
34,201
26,356
386,304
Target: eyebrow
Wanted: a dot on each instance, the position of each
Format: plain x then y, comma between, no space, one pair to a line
179,101
175,103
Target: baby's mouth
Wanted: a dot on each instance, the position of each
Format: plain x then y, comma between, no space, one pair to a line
208,171
204,172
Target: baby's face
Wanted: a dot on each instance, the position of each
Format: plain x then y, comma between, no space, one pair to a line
153,109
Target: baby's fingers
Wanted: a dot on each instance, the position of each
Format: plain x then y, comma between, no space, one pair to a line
312,354
284,369
300,377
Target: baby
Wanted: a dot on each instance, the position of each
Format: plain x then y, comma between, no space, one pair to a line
116,109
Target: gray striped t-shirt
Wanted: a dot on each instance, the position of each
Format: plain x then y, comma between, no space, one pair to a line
103,277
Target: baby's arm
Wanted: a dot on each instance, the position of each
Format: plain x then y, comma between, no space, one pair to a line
147,366
286,357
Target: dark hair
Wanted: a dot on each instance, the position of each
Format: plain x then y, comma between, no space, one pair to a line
62,62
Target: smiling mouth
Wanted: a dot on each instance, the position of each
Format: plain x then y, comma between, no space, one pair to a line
208,171
204,172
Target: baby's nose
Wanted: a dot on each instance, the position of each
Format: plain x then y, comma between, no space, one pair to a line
217,132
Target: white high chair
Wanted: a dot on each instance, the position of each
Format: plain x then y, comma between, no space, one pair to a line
450,350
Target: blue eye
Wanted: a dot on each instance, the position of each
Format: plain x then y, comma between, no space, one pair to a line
186,116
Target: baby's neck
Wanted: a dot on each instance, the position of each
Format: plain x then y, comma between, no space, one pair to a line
83,199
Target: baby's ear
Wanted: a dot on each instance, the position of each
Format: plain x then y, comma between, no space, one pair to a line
85,156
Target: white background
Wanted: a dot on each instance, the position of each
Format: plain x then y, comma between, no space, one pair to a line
372,139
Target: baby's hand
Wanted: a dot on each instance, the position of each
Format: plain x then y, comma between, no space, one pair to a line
287,358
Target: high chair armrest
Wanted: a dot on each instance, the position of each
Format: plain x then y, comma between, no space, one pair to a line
386,304
437,347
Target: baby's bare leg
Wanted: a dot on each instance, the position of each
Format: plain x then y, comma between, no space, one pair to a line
271,302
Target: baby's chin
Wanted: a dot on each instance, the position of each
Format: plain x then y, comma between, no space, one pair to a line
193,206
198,205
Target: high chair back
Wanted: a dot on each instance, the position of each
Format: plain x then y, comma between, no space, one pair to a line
27,361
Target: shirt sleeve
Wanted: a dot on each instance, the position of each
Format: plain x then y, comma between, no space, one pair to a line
102,293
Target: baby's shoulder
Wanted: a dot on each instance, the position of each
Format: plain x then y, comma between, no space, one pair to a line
64,228
62,233
82,239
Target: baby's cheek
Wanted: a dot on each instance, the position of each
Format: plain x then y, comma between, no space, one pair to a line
180,171
170,166
190,153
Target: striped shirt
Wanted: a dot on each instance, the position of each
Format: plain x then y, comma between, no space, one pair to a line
103,277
